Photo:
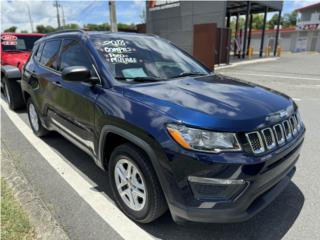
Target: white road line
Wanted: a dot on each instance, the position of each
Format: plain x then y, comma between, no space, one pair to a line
126,228
297,99
275,76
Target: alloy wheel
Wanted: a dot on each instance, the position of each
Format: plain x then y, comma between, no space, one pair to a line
130,184
33,117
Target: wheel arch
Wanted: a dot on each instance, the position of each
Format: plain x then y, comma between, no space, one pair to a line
147,145
112,136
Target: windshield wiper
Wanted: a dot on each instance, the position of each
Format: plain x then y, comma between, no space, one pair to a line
186,74
139,79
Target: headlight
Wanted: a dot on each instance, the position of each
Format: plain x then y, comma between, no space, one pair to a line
299,121
203,140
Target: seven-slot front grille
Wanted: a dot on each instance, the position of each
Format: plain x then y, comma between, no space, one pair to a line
256,142
269,138
287,129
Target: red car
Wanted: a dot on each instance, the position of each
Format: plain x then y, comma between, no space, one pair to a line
15,51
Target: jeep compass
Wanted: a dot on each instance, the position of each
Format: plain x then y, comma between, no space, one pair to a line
170,133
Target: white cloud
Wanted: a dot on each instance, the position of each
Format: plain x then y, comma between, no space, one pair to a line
15,13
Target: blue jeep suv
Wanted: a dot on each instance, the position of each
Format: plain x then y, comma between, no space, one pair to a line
169,132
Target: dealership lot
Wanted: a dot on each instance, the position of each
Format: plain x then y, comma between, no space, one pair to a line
77,192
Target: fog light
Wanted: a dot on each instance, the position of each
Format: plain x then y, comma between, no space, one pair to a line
217,190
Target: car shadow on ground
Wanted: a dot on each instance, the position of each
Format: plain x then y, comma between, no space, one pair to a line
271,223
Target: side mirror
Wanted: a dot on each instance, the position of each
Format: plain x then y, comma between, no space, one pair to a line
76,74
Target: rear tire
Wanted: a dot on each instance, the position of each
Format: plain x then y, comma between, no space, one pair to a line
34,120
149,202
12,90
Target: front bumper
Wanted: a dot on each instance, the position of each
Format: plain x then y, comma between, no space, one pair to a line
260,182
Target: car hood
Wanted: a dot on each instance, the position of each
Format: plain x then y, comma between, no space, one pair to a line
212,102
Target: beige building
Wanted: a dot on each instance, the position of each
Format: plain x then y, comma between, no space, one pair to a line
304,37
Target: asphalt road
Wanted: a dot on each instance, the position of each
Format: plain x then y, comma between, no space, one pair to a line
294,214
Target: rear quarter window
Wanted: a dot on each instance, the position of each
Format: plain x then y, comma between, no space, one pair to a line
38,51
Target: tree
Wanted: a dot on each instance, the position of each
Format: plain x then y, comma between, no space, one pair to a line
24,31
11,29
290,19
274,21
45,29
257,21
233,24
71,26
124,27
97,27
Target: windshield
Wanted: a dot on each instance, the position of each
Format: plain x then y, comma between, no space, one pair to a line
144,58
10,42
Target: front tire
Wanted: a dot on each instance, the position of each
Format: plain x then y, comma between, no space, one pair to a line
135,187
34,120
13,93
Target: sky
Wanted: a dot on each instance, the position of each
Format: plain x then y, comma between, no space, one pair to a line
15,12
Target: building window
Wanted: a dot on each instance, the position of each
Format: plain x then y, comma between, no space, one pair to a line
306,16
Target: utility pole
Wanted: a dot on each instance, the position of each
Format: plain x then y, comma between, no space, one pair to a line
30,19
57,5
113,16
63,19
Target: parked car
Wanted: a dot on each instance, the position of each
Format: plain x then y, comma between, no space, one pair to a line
170,133
15,51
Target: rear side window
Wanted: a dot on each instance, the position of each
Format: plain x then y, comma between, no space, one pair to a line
73,54
38,52
50,54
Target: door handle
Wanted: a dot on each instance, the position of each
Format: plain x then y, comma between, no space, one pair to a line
57,83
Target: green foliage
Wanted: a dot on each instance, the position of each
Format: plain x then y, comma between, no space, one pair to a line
14,221
45,29
89,27
290,19
274,21
106,27
24,31
11,29
124,26
257,21
71,26
241,22
97,27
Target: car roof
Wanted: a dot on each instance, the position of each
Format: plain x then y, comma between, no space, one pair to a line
79,32
23,34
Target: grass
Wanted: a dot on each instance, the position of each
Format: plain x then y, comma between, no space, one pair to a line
15,224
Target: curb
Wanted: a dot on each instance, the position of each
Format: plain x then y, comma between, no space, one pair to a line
45,225
263,60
